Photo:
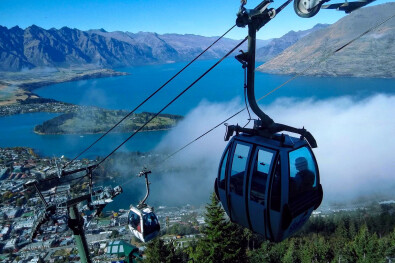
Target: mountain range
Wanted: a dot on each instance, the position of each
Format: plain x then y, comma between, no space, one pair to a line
72,48
371,55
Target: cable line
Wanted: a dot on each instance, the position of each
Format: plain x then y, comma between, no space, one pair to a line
267,94
283,84
173,100
149,97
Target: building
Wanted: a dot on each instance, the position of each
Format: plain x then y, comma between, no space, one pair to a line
121,248
4,172
28,223
4,232
10,245
13,213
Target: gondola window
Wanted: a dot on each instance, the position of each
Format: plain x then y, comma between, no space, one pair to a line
239,166
262,166
223,170
302,172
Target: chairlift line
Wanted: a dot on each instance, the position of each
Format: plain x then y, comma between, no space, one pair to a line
149,97
173,100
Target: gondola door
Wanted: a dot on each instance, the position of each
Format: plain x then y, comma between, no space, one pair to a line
135,223
221,181
237,182
276,199
262,167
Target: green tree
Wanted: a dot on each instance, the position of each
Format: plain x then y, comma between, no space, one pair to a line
290,253
366,246
306,254
390,247
339,240
223,241
159,252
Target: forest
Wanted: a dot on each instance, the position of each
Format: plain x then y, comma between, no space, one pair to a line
363,235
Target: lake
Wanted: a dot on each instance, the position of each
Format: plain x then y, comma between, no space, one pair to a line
222,84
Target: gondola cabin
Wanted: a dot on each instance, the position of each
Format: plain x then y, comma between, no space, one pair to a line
143,223
270,186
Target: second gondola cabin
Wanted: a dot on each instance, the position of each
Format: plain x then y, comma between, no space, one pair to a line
269,185
143,223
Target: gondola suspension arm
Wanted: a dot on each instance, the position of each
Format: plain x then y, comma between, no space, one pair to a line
144,173
255,19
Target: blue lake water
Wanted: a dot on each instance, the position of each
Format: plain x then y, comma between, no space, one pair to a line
17,130
222,84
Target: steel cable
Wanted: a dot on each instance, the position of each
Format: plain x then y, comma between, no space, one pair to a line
148,98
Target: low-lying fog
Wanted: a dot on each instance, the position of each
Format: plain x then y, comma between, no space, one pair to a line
355,147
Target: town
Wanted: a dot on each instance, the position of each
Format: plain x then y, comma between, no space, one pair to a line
35,106
21,208
25,238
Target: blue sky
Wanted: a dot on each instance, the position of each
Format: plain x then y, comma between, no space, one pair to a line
204,17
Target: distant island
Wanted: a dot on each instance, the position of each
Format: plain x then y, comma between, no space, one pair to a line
96,120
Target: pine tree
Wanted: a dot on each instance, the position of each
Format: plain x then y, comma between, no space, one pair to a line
155,251
223,241
366,246
306,252
290,254
390,248
159,252
339,241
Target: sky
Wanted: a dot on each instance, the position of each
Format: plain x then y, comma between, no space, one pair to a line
204,17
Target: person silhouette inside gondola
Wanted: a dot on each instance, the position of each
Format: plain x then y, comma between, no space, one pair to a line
304,177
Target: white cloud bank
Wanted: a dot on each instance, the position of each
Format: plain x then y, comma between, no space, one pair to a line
355,146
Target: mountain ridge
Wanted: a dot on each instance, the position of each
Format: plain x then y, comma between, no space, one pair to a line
66,47
70,47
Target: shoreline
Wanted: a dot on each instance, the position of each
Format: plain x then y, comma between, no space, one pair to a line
21,100
40,133
18,87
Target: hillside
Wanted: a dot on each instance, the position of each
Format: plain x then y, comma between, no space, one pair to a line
370,56
278,45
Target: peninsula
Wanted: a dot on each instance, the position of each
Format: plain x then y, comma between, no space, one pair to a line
17,97
96,120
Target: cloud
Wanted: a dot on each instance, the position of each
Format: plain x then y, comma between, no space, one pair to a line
355,147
